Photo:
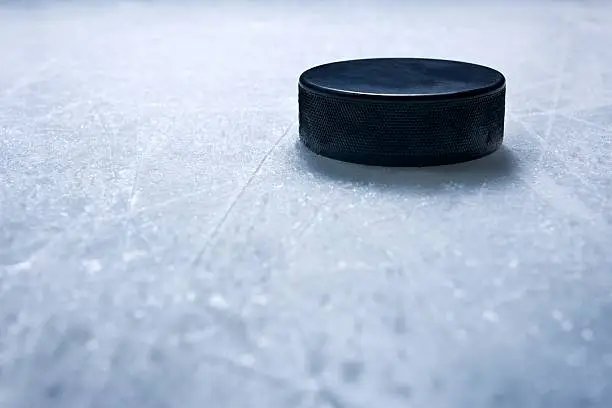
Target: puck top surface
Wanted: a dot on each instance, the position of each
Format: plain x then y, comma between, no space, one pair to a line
403,78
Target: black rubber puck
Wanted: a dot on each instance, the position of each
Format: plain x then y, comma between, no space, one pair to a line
402,111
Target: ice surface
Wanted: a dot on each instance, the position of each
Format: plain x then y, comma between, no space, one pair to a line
165,242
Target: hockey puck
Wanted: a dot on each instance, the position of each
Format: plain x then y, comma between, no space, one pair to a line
402,111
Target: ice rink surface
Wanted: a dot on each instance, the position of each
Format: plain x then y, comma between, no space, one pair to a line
166,242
